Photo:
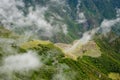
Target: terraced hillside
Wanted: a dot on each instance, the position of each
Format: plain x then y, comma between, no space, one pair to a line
42,60
59,39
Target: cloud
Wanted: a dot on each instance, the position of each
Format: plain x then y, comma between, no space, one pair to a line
34,21
59,1
5,45
9,12
118,12
80,15
21,62
81,18
78,5
54,0
87,36
107,24
64,27
59,26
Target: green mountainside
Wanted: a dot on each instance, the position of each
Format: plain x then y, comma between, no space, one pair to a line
60,40
56,66
66,12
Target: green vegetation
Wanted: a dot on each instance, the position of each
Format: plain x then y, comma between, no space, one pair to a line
114,76
4,32
55,65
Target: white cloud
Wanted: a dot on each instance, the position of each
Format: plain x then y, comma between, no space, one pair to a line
87,36
81,18
106,27
80,15
59,25
21,62
6,46
55,0
12,17
64,27
58,1
107,24
78,5
118,12
9,12
37,17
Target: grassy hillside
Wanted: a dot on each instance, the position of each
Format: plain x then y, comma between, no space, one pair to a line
28,56
56,66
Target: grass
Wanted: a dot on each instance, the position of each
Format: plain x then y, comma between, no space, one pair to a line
34,43
114,76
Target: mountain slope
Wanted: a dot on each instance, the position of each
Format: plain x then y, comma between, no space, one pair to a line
54,65
60,40
67,18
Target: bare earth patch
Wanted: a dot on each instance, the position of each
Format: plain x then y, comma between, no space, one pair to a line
89,49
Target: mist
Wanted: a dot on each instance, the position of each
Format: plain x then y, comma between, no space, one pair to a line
34,21
87,36
106,25
21,62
